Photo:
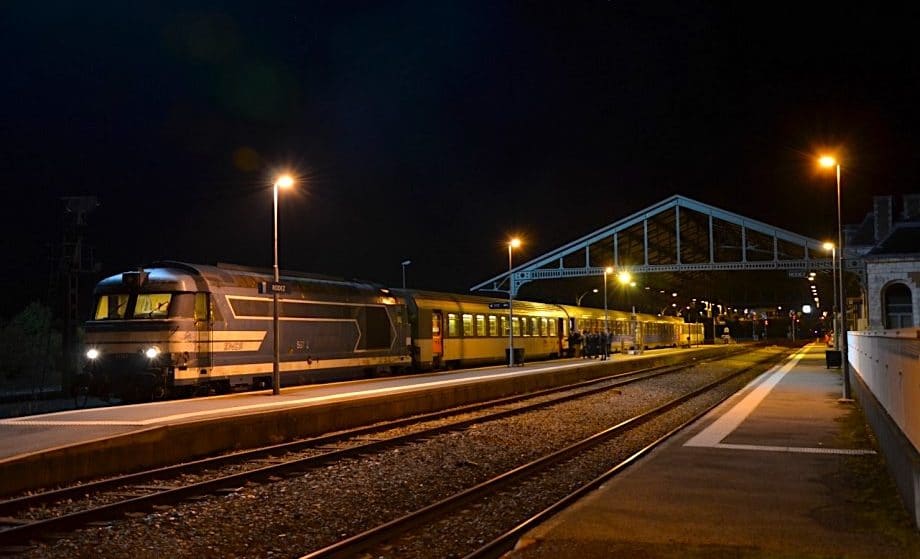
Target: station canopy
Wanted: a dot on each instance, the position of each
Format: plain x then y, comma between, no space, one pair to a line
678,253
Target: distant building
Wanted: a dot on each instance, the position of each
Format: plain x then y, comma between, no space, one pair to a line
889,250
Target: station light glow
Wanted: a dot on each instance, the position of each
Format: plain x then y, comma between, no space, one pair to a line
152,352
92,353
285,181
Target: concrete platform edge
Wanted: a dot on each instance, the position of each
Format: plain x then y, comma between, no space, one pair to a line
173,443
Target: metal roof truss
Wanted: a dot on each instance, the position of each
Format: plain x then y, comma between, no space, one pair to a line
675,235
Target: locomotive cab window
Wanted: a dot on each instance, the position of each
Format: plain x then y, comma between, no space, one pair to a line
111,307
152,305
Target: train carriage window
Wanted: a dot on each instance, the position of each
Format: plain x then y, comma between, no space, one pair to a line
552,327
543,331
467,325
480,325
534,326
110,307
152,305
505,326
493,326
516,325
453,328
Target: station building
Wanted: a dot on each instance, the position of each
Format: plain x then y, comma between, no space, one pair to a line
888,245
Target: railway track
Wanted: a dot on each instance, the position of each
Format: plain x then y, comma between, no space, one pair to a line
404,536
36,515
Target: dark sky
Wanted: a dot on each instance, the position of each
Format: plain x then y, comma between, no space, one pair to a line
431,131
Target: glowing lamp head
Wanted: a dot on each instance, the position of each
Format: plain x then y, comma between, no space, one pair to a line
624,277
828,246
284,181
152,352
515,243
827,161
92,353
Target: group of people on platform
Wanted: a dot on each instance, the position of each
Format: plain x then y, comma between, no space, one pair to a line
590,345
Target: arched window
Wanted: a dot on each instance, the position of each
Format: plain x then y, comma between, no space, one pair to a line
898,306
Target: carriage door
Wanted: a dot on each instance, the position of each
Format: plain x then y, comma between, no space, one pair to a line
437,342
560,335
203,327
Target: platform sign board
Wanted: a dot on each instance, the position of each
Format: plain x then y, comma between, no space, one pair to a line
272,287
499,305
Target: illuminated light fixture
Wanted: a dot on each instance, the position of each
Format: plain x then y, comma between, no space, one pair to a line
152,352
285,181
624,277
806,309
674,294
92,353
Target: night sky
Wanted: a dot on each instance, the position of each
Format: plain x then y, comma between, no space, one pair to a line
431,131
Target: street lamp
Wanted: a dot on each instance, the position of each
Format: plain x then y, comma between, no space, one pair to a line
512,244
828,162
283,181
831,247
607,270
404,264
625,279
582,296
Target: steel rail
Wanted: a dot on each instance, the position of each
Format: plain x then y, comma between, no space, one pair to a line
359,543
16,534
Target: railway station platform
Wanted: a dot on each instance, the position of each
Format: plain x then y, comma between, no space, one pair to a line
49,449
781,469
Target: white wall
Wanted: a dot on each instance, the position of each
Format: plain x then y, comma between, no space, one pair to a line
888,362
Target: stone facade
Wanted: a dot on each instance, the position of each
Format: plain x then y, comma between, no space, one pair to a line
883,272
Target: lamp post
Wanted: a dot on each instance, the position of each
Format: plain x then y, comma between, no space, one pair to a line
582,296
404,264
833,248
283,181
513,243
607,270
828,161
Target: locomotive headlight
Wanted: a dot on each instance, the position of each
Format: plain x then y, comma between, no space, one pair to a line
92,353
152,352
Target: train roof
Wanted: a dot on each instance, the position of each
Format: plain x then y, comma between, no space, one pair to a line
471,303
170,275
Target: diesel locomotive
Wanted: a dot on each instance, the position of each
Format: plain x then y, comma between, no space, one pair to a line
173,329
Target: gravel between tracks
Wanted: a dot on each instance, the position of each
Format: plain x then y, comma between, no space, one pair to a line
293,515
